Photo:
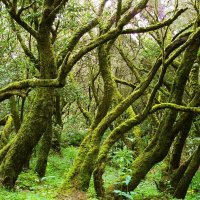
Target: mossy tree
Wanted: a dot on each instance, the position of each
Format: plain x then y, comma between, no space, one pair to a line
160,144
42,28
79,176
53,62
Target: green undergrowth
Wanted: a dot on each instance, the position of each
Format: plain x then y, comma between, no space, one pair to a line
30,187
147,189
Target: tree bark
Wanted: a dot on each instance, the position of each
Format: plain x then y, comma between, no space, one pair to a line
173,163
28,136
44,150
4,136
179,144
185,181
80,175
160,145
39,116
15,113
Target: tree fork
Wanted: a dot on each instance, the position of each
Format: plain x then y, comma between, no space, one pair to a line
26,139
149,158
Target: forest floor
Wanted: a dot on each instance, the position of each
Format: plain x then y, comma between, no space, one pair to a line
30,187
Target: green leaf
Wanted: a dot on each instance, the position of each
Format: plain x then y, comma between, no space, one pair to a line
128,179
117,191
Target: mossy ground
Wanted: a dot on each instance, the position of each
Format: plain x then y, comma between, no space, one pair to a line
30,187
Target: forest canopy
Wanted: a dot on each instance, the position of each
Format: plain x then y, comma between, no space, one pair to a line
118,80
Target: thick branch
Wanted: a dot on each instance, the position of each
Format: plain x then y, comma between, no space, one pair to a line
76,37
112,34
7,94
68,64
56,9
175,107
131,14
16,87
23,23
155,26
119,8
25,8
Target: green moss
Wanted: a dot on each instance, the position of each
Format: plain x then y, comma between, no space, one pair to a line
15,113
6,131
45,147
183,184
30,132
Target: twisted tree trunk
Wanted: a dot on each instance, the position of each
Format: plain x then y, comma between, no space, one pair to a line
160,145
39,117
27,138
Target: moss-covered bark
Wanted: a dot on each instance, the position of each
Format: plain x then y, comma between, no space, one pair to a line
164,137
39,117
15,113
4,150
4,136
95,137
56,138
185,181
28,136
173,172
80,174
45,147
176,176
85,163
114,136
105,70
179,144
57,111
173,163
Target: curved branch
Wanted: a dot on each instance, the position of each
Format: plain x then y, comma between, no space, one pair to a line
23,45
155,26
56,9
68,63
25,8
175,107
16,87
76,37
123,82
184,29
7,3
7,94
12,10
131,14
112,34
23,24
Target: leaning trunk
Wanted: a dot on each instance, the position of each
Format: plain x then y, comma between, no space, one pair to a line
80,175
160,146
44,151
28,136
179,144
185,181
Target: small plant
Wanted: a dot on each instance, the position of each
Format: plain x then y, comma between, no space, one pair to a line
122,159
127,194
